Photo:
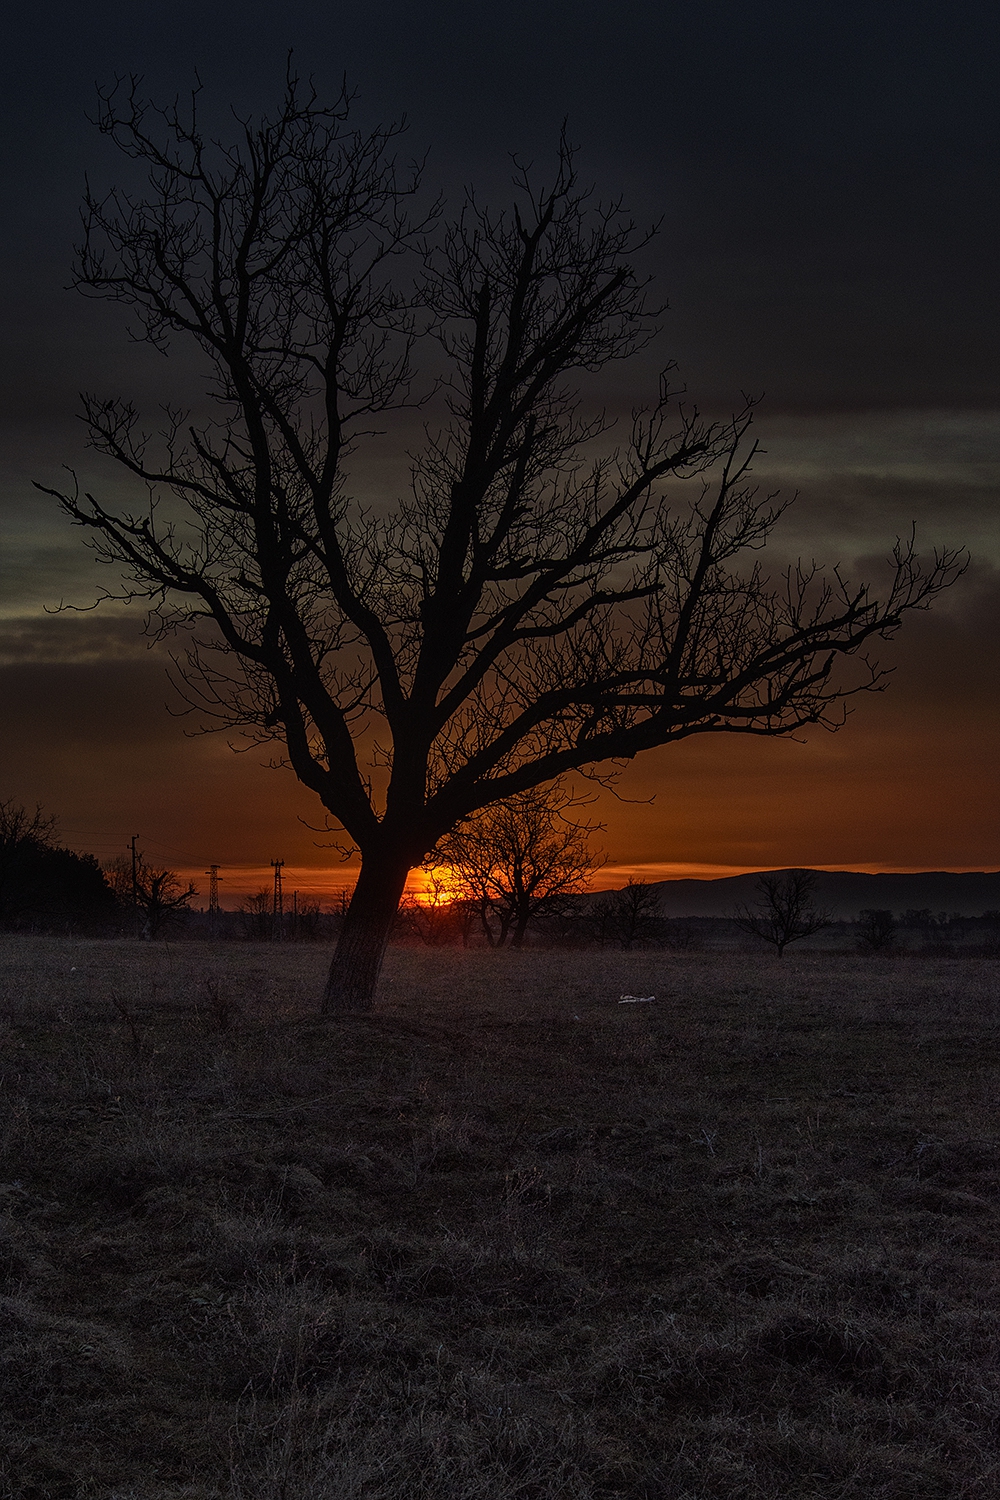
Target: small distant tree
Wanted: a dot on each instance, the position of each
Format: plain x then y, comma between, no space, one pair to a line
989,926
877,931
341,907
521,861
679,936
256,916
785,912
163,899
305,922
157,896
935,929
430,917
629,917
118,874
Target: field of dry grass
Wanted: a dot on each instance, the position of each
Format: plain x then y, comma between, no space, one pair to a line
508,1239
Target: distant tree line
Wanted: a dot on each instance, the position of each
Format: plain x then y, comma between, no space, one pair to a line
518,874
44,887
301,921
627,919
933,932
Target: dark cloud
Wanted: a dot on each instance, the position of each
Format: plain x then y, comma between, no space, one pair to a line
827,176
71,638
110,705
946,663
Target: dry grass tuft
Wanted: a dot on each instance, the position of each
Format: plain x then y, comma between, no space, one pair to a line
506,1239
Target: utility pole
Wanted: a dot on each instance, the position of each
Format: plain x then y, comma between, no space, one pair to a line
213,900
277,916
135,888
295,915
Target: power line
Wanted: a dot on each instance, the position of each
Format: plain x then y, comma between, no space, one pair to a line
195,859
104,837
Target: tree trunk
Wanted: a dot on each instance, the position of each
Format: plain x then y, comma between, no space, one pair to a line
520,928
357,961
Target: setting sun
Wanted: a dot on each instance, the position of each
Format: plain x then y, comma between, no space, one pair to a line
438,886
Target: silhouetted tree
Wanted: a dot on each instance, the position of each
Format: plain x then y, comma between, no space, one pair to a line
163,900
785,912
42,884
531,607
933,927
256,914
156,895
629,917
23,834
435,917
520,861
304,920
877,931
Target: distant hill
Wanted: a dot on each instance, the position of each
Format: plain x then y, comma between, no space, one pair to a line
843,893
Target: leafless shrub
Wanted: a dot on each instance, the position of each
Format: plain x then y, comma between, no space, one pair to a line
221,1007
785,913
628,918
877,932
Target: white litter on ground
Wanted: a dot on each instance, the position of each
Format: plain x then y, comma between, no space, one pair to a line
636,999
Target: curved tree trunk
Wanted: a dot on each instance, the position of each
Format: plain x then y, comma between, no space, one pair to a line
357,961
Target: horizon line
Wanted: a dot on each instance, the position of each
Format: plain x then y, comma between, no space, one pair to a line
329,883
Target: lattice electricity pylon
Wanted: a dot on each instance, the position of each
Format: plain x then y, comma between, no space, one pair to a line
213,898
278,912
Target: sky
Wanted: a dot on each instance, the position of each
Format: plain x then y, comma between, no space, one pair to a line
826,181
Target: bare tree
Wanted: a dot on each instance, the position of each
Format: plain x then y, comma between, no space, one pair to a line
158,895
304,920
257,917
42,883
520,861
877,931
22,834
163,899
19,826
630,916
532,606
785,912
433,917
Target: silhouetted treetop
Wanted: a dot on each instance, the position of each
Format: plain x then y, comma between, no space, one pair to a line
42,884
543,598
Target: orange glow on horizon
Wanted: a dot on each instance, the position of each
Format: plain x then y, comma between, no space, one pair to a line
328,885
434,887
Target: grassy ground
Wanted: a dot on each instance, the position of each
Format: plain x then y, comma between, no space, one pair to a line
506,1238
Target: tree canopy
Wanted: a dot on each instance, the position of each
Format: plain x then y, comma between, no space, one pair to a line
41,883
543,599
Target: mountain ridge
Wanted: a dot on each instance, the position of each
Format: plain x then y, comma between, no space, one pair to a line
842,892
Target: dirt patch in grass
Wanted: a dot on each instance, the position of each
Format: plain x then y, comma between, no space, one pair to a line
508,1238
